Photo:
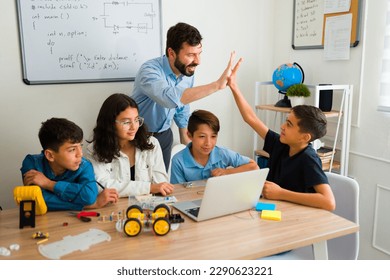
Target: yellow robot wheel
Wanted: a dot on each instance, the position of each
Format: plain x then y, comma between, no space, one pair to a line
132,227
162,209
161,226
133,209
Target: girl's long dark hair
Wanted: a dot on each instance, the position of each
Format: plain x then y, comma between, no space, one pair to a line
106,144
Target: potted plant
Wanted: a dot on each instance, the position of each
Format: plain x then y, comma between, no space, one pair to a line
297,93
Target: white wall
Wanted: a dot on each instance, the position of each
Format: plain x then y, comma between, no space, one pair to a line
370,145
224,31
24,107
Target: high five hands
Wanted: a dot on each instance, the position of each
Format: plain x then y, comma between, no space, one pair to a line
225,78
232,78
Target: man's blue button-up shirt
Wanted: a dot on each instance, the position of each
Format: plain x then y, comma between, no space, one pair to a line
158,91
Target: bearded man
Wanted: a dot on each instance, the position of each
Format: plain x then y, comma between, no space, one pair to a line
164,86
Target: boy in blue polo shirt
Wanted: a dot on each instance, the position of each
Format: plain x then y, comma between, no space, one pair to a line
66,178
201,158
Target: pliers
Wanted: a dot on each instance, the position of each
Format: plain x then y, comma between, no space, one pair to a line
84,215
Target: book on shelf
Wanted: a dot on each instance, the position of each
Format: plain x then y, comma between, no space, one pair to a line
326,159
325,151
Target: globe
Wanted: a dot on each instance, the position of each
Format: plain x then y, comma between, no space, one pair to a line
286,75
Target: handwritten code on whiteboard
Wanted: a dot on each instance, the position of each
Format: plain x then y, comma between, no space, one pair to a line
71,41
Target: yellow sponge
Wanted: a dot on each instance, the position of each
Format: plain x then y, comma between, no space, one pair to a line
274,215
31,193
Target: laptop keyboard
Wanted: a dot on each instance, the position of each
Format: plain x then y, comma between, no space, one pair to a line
194,211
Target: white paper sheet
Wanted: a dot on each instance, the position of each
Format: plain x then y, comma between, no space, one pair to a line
336,6
337,39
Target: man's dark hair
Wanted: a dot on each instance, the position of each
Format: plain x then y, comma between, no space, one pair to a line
56,131
182,33
199,117
310,120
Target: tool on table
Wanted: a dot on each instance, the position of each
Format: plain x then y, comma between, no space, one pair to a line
31,193
84,215
31,203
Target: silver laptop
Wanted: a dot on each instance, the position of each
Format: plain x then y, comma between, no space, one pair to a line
224,195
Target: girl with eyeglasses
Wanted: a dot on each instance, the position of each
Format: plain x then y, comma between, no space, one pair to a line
124,156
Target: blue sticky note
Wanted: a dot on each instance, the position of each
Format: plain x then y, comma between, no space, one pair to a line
265,206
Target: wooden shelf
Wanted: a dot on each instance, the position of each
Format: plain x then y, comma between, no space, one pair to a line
270,107
335,165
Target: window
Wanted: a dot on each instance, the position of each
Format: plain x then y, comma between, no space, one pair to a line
384,89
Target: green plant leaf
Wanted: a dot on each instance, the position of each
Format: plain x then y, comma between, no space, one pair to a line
298,90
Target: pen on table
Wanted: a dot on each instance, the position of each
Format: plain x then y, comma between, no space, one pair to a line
100,185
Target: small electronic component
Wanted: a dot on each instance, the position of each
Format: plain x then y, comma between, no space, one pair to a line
113,217
193,184
40,235
188,184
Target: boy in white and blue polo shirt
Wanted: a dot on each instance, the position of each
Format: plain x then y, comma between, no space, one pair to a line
201,158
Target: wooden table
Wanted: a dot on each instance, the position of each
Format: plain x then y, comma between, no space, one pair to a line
239,236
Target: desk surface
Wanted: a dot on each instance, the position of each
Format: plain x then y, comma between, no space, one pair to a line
239,236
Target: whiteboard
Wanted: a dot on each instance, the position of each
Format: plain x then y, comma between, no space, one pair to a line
309,22
76,41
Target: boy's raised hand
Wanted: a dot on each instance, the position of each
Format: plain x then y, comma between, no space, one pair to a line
223,80
232,79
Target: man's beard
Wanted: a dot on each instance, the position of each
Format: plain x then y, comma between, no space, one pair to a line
183,68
